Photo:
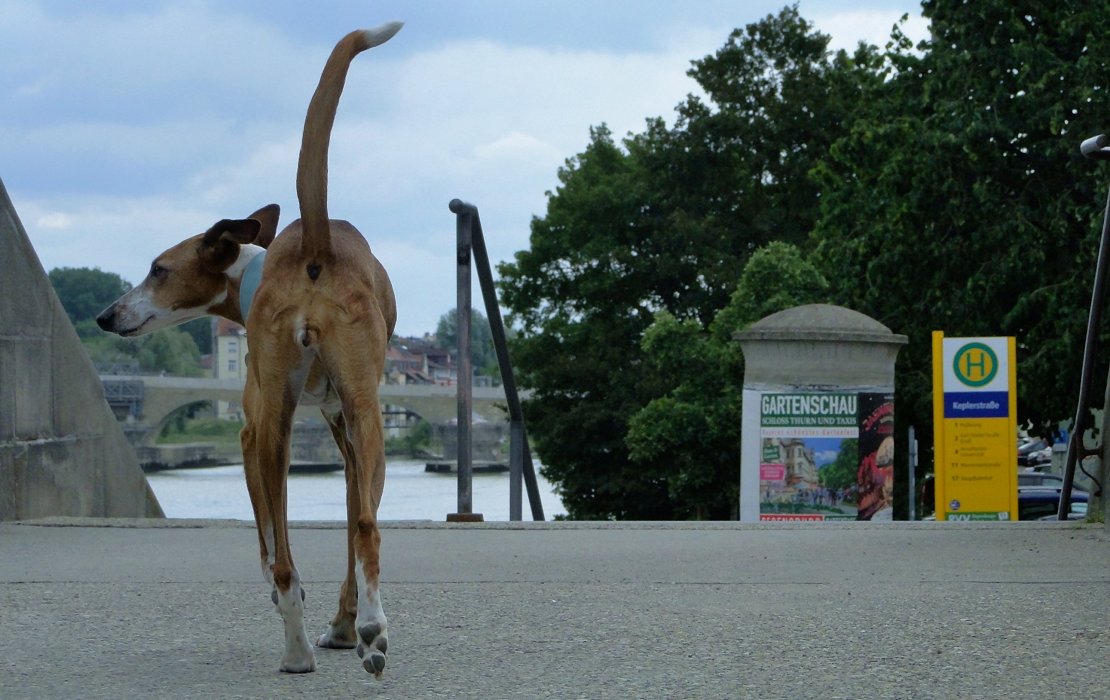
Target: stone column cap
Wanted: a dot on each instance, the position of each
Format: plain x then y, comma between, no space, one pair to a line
822,322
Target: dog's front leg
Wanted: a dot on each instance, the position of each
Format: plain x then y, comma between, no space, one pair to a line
262,521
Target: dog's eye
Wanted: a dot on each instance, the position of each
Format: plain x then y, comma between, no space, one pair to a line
157,271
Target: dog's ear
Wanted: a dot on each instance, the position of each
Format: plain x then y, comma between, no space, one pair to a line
219,247
268,217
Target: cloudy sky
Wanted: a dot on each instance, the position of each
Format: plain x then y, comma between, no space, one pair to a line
126,126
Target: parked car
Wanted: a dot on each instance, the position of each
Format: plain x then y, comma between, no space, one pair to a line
1036,502
1034,452
1078,512
1040,479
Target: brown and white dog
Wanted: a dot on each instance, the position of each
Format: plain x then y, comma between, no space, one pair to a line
318,326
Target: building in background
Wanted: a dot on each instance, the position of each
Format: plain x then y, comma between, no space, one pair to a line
229,362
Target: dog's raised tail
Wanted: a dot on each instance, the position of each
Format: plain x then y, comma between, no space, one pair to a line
312,168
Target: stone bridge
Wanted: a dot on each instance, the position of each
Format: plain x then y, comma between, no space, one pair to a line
150,401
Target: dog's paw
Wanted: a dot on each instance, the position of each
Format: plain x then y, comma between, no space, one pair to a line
299,661
299,658
340,636
373,644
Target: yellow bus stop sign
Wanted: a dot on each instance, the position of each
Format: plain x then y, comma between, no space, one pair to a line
975,425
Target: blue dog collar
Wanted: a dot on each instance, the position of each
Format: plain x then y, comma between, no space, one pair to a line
248,285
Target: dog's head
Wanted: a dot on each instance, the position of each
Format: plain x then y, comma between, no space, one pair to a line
190,279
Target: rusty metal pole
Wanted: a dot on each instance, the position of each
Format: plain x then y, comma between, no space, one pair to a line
520,457
464,385
1096,149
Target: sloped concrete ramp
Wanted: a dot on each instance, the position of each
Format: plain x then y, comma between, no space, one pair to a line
61,450
594,611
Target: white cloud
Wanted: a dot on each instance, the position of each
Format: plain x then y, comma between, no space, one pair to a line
248,178
144,127
56,220
850,27
116,234
516,146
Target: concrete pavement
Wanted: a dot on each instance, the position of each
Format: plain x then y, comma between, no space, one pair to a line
178,609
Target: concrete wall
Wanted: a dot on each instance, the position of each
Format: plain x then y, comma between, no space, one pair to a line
61,450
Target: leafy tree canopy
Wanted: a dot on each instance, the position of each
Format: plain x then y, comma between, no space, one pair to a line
958,201
691,432
84,293
482,354
777,277
662,225
172,351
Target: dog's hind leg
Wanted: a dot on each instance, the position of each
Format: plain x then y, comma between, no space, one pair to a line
341,632
371,624
355,376
279,386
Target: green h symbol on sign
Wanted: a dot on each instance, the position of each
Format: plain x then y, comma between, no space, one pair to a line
975,364
975,361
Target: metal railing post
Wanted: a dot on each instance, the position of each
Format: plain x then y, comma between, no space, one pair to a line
464,458
516,468
521,467
1095,148
912,473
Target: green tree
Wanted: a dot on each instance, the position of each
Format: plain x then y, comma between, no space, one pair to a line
111,351
690,434
84,293
663,225
734,172
959,200
170,350
777,277
688,437
581,298
200,330
482,354
417,439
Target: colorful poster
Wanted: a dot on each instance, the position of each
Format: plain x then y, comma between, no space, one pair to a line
826,456
876,457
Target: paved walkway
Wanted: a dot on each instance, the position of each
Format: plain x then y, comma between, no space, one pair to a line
149,609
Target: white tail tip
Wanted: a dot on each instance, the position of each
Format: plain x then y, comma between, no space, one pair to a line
379,35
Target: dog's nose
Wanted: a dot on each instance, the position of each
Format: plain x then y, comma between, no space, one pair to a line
107,318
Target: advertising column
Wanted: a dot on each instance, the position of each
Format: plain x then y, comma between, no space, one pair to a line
817,424
975,425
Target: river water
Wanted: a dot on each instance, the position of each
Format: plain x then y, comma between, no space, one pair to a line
410,494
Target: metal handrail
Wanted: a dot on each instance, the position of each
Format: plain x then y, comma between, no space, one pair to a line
470,240
1094,148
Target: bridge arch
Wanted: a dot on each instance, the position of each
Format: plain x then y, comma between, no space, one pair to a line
162,396
156,429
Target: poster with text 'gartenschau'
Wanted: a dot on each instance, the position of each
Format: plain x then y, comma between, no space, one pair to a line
826,456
